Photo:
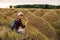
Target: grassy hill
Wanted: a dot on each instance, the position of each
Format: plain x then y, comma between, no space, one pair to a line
43,24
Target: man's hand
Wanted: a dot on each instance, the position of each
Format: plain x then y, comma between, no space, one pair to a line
26,21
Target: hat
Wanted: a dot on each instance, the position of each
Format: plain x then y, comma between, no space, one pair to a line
20,14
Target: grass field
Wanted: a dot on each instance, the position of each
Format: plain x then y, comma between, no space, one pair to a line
44,24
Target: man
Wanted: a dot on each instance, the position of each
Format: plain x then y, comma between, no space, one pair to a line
18,23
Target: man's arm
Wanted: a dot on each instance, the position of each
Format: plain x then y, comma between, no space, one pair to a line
23,25
26,21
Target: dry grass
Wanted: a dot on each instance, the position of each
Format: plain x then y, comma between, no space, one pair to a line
57,27
58,34
57,24
33,33
40,12
58,12
39,28
32,10
51,17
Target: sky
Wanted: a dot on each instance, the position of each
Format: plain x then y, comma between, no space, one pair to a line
6,3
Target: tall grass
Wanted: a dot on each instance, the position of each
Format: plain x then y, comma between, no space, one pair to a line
43,24
51,17
40,12
33,34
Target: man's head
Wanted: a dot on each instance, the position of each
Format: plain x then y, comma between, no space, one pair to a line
20,15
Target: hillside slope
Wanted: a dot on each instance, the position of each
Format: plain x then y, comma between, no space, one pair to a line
38,24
